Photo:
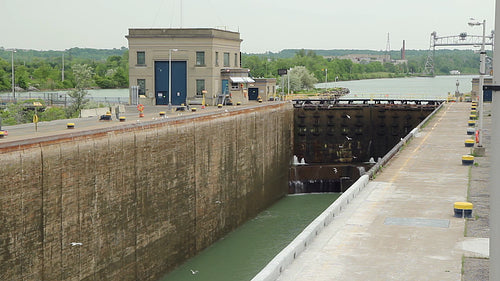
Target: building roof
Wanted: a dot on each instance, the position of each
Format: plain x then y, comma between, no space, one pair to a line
182,33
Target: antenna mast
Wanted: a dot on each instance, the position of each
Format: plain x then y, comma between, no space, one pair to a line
388,50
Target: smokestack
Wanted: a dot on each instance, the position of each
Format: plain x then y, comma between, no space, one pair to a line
403,51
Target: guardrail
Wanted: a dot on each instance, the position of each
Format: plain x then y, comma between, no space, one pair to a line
62,99
278,264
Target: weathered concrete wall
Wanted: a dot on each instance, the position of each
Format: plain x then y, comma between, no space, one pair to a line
140,200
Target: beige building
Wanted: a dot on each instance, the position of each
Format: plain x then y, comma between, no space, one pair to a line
488,80
264,88
196,60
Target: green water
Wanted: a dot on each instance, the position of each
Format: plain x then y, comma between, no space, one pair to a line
245,251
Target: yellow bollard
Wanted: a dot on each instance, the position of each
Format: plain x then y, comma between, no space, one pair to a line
469,143
463,209
467,160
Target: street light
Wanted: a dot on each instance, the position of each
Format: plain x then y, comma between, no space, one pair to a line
13,76
482,70
170,77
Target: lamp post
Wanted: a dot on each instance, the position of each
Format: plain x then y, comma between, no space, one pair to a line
13,76
482,70
170,77
62,70
289,71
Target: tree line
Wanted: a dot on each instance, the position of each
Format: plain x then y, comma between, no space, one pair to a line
50,70
43,69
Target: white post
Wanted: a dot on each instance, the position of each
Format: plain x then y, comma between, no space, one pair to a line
482,70
13,77
170,79
290,70
326,76
494,188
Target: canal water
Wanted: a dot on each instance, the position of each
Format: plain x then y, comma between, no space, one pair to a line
245,251
413,87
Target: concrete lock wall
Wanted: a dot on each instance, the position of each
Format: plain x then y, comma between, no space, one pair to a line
140,200
278,264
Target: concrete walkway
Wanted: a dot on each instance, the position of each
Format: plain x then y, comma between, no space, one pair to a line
24,132
401,227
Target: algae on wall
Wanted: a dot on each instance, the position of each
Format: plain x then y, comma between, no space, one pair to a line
140,200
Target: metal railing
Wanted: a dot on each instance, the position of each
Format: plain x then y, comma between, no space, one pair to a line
59,99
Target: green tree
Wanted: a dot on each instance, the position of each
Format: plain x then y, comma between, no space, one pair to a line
83,80
300,78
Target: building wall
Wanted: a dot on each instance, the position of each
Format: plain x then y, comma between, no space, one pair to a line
156,44
266,86
475,86
142,199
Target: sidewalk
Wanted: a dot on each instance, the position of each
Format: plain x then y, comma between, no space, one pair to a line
55,128
401,227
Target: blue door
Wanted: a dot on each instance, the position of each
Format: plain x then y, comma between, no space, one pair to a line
225,87
253,93
179,82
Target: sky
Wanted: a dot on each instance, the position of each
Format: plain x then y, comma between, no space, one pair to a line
264,25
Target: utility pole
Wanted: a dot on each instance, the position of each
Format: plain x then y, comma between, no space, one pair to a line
482,72
62,72
388,49
289,71
13,76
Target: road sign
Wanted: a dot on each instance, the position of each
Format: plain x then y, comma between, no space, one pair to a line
282,71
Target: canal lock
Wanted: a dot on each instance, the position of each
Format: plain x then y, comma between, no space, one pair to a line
337,141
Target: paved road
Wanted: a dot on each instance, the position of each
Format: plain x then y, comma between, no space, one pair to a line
401,227
27,132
